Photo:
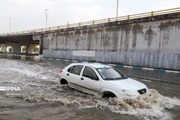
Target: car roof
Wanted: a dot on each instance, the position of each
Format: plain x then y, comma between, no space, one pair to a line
95,65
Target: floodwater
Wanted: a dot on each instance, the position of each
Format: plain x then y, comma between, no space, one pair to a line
35,94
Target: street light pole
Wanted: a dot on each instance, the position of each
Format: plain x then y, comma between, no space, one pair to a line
46,17
117,9
10,25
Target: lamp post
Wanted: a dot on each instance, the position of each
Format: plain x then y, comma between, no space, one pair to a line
46,17
10,25
117,9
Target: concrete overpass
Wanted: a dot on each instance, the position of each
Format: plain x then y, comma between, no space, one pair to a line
19,43
149,39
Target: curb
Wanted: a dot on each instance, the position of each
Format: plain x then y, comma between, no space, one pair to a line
115,65
119,65
153,79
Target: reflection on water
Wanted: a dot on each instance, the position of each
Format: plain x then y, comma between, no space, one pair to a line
30,57
39,83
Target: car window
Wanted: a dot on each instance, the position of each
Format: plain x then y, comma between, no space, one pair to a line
110,74
75,69
89,72
70,69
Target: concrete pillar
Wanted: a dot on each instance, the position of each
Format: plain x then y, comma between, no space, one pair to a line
41,45
16,47
40,38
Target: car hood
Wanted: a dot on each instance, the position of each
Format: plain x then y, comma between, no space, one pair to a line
128,84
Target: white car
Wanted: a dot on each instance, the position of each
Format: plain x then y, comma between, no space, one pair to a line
100,80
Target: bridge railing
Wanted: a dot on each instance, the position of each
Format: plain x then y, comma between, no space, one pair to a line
168,11
93,22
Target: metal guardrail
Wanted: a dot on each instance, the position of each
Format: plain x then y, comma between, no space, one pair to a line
120,18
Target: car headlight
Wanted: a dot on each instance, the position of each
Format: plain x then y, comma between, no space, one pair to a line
128,93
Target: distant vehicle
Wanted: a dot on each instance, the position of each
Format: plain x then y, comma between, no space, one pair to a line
100,80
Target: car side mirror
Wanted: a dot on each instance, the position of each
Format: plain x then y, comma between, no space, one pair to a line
124,76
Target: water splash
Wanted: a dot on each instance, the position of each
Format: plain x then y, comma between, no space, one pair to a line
40,83
149,106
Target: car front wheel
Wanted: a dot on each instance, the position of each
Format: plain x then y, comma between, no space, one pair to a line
63,81
108,95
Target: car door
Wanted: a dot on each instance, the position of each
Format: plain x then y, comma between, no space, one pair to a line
90,80
73,75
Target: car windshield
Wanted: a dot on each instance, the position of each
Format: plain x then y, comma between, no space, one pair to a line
110,73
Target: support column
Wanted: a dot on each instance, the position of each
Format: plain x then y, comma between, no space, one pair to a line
41,45
39,37
16,47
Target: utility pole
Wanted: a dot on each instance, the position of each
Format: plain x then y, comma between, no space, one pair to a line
46,17
117,9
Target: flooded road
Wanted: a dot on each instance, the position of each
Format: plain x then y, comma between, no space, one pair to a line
35,94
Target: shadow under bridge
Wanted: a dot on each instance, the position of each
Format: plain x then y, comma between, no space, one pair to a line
21,44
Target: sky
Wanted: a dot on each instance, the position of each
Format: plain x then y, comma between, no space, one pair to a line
19,15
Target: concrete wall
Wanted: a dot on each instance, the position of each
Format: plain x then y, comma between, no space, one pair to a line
149,44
